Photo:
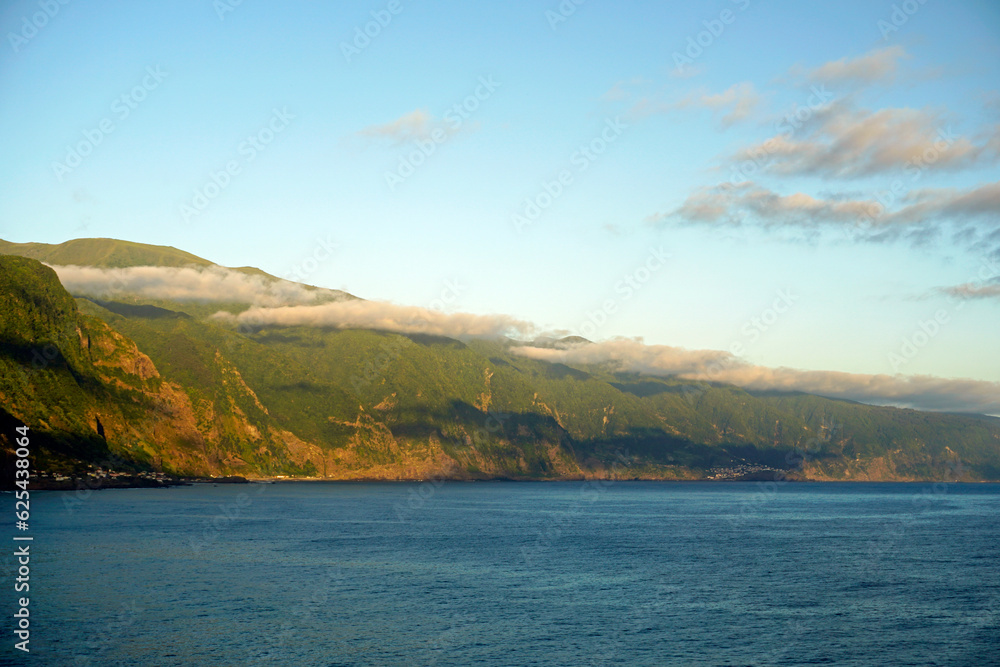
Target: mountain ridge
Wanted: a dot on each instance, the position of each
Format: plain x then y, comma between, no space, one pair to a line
205,397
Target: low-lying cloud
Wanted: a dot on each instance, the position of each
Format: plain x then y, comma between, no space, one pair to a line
384,317
213,284
282,303
918,392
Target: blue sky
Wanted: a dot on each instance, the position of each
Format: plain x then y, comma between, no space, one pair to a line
201,78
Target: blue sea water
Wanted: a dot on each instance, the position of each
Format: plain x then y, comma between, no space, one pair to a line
627,573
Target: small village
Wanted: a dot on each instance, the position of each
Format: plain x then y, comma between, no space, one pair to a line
743,471
98,478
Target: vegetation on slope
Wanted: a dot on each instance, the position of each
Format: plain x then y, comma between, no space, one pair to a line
164,386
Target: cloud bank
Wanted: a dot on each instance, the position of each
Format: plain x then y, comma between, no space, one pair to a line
214,284
385,317
283,303
918,392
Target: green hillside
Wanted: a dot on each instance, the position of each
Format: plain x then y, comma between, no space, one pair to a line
105,253
90,395
116,254
172,389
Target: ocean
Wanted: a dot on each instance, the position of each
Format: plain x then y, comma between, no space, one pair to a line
516,573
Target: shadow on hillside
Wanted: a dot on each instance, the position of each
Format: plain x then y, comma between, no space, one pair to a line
432,340
270,337
463,425
143,311
46,448
651,388
557,371
420,423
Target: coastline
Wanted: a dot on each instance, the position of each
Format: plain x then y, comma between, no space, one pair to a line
163,481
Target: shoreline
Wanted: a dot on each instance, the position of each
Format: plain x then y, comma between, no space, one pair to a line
98,484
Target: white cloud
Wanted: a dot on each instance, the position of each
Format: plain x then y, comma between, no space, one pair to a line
919,392
385,317
878,66
749,202
974,212
979,290
620,91
416,124
736,103
740,100
212,284
843,141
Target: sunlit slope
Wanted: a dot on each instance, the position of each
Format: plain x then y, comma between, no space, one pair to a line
89,394
175,388
106,253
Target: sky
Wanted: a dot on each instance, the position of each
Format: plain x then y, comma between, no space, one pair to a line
802,188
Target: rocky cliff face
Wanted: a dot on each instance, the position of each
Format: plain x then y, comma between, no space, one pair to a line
149,385
88,393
